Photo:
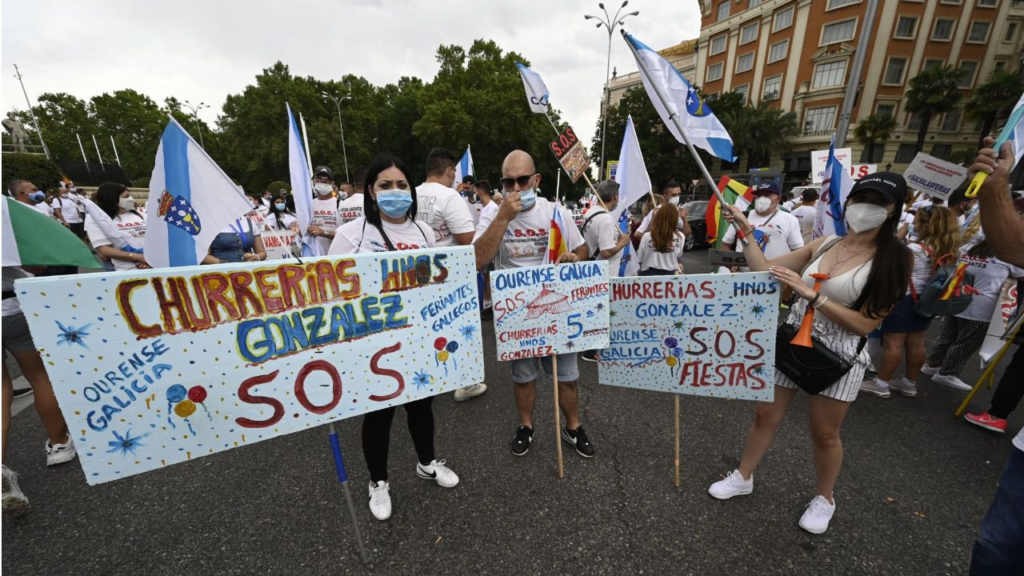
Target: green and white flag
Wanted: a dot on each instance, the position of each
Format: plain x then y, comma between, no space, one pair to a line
32,239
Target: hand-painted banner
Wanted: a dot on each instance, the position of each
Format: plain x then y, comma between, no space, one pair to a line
546,310
1002,323
705,335
157,367
278,244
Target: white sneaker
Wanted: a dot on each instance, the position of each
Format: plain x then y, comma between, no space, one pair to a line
875,386
905,386
929,370
817,516
14,499
60,453
438,472
380,500
732,485
470,392
951,381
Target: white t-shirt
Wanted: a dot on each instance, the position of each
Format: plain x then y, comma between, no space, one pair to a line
129,222
44,209
359,236
287,221
11,306
789,205
805,216
601,233
68,209
474,211
325,215
922,270
350,208
444,210
645,224
989,275
526,239
777,233
649,257
240,226
1018,440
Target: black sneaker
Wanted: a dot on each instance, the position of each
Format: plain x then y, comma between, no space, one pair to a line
578,438
589,355
521,443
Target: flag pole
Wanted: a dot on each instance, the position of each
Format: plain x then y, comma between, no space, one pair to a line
558,415
305,144
547,114
677,440
686,140
339,463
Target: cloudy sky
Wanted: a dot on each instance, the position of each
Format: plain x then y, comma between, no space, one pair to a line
205,50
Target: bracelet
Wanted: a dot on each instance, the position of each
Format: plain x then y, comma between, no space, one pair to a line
821,303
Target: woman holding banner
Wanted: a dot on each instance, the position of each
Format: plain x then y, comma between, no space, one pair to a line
389,208
661,250
863,275
129,225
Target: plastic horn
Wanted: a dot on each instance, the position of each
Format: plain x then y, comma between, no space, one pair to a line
1011,125
803,336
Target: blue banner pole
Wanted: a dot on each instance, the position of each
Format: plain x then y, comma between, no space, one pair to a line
339,462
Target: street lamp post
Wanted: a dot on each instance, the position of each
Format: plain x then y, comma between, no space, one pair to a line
337,103
610,24
195,114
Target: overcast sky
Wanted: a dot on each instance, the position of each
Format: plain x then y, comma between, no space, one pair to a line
205,50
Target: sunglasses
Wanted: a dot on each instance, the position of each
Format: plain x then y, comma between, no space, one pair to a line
522,181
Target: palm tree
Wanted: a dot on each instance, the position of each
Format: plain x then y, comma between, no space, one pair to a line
935,90
873,128
758,130
994,99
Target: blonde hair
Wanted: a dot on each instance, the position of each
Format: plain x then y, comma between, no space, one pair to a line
940,231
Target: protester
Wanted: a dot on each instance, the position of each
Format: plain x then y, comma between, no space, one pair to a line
903,330
351,207
868,273
776,232
325,208
240,241
670,193
998,548
17,341
445,211
482,188
259,212
805,212
129,222
390,221
661,249
960,204
498,198
66,209
345,190
502,237
265,199
26,192
605,240
279,217
1007,396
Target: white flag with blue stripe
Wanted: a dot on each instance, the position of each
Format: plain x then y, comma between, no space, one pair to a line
829,219
190,201
634,183
536,91
680,100
464,167
302,185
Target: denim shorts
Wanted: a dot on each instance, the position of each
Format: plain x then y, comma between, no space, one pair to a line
525,369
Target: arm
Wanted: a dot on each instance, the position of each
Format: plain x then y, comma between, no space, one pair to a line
855,321
686,223
487,244
619,245
110,252
756,260
259,252
578,250
1003,227
458,217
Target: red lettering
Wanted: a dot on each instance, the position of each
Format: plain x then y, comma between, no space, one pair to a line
325,280
245,396
124,302
300,386
240,282
386,372
347,277
290,278
214,285
718,344
267,290
749,337
170,304
693,336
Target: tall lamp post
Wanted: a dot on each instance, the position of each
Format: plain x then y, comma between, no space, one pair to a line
195,114
337,103
610,24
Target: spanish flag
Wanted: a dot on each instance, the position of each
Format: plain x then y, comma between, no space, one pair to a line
556,238
734,193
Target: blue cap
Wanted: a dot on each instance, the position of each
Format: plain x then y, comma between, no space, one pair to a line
769,187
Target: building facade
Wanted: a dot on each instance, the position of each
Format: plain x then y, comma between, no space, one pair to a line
683,56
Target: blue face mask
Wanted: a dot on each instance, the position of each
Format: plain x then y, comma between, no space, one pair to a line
37,196
394,203
280,207
528,197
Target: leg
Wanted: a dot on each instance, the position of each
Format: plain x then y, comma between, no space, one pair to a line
1011,387
568,400
8,399
526,397
377,442
947,335
892,353
915,354
767,418
998,550
32,367
970,336
826,419
420,416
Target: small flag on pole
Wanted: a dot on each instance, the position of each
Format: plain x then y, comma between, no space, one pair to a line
302,185
536,91
829,219
634,184
735,194
464,167
556,238
32,239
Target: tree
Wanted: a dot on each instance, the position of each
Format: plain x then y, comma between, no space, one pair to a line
35,168
994,100
871,129
757,130
61,116
935,90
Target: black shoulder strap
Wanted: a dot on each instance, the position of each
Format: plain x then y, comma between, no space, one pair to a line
825,246
387,241
586,222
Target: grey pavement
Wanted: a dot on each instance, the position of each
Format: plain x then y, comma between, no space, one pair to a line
913,489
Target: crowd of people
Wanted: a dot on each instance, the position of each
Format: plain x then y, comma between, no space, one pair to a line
876,284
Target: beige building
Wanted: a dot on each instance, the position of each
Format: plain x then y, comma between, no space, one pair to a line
683,56
799,53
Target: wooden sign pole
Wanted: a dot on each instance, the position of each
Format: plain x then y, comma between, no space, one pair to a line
558,416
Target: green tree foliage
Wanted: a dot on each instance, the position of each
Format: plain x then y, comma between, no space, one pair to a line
37,169
872,129
994,100
935,90
276,186
757,130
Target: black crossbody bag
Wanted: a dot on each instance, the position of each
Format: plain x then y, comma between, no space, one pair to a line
815,368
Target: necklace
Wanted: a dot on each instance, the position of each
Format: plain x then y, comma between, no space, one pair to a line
840,261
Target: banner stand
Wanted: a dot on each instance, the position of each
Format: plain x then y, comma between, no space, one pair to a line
558,416
989,374
677,440
339,463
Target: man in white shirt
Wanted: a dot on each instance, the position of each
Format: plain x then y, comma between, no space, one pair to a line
351,207
26,192
502,237
805,212
671,191
604,239
960,204
439,206
65,208
775,231
325,208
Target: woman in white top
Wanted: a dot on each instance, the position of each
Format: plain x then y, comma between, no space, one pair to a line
115,200
846,311
279,217
389,206
661,249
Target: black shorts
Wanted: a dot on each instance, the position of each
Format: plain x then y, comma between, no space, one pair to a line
78,228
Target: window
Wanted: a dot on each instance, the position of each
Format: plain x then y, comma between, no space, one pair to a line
745,62
894,71
743,90
723,10
876,157
833,4
906,28
718,45
829,74
715,72
951,122
886,109
783,19
970,68
819,119
755,3
778,51
943,29
941,151
905,153
1000,64
749,33
953,2
930,62
988,3
979,32
772,88
838,32
914,122
1011,31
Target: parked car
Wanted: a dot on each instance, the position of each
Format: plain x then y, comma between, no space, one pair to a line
695,212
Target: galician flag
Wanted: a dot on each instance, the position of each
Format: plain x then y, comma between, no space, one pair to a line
556,237
464,167
1017,136
673,97
634,184
536,91
32,239
736,194
190,201
829,219
302,185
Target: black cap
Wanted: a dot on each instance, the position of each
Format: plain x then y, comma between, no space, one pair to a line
890,184
468,179
323,170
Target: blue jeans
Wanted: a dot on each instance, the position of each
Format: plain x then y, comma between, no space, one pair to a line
1000,548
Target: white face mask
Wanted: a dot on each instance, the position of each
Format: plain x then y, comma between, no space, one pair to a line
127,203
762,204
674,200
323,188
864,217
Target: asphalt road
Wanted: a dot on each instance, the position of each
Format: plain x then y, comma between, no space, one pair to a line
914,487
